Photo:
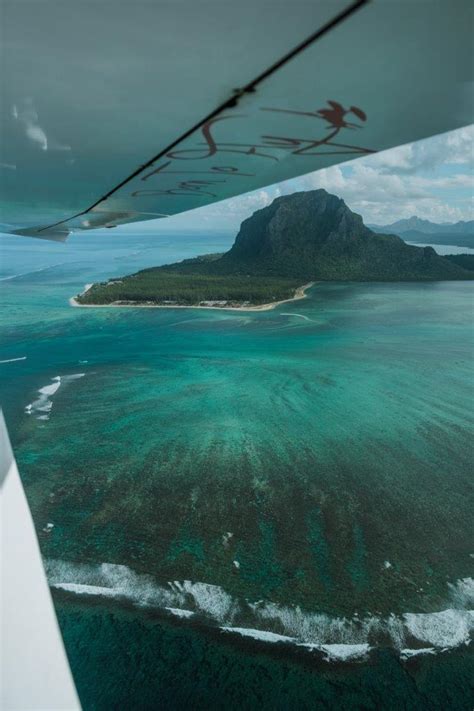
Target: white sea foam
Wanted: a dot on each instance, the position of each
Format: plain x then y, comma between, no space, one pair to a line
332,652
42,406
262,635
462,591
317,629
43,403
444,630
80,589
345,652
211,599
112,581
396,631
51,389
409,653
226,537
177,612
305,318
141,589
337,638
13,360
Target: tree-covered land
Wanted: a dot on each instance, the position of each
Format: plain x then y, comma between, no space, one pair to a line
297,239
466,261
161,287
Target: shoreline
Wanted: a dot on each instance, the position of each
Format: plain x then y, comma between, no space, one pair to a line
300,293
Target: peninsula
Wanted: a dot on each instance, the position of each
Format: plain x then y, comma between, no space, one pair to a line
279,251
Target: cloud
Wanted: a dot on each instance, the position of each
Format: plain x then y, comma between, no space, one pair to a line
380,197
243,206
454,147
400,182
224,215
432,179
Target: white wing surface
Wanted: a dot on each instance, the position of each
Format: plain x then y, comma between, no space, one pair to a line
115,112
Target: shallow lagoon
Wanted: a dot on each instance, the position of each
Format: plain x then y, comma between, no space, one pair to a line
307,469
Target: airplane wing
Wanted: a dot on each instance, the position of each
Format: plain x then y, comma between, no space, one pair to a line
35,670
121,112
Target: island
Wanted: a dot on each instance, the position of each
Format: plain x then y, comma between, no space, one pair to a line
278,253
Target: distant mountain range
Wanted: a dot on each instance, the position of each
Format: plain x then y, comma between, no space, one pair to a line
425,226
414,229
299,238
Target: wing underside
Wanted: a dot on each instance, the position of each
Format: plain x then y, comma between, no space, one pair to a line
143,112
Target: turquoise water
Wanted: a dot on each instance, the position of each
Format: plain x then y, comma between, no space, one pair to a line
301,475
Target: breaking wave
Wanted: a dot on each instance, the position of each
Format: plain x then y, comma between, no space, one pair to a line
336,638
42,406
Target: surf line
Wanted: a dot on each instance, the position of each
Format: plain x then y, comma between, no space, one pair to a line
298,315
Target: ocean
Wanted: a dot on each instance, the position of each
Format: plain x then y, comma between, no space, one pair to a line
246,510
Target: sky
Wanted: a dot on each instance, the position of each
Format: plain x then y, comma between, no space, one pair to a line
433,179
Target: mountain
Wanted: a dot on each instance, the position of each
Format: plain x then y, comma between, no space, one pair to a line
459,234
426,227
297,239
314,235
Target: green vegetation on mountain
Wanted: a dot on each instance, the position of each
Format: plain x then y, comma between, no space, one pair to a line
466,261
299,238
